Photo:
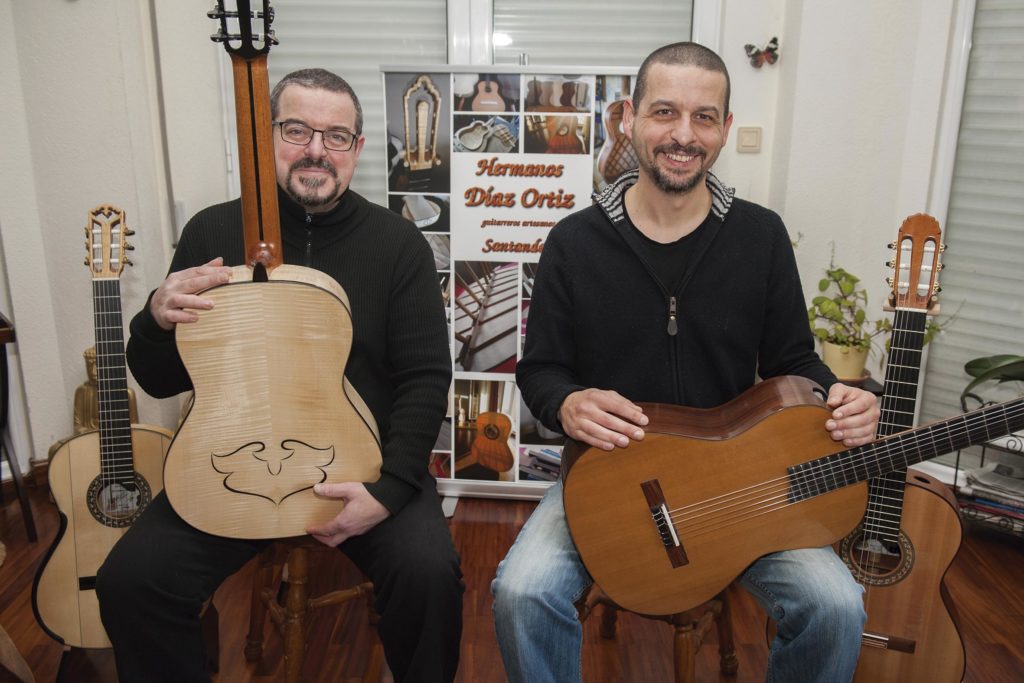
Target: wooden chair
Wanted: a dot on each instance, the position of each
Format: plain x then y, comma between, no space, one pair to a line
690,628
289,603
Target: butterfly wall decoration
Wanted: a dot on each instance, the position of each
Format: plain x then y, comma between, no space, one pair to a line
769,55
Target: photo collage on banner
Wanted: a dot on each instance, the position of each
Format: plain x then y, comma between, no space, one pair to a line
485,164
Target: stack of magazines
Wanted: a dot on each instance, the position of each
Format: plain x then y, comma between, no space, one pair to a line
995,493
540,464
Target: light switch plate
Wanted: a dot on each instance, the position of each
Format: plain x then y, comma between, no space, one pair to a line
748,139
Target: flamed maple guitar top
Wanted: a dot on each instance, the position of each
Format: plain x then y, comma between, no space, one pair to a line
273,414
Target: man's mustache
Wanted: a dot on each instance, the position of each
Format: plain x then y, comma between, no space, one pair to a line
319,163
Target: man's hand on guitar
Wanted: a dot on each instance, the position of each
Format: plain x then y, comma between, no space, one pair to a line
601,418
178,293
362,512
854,415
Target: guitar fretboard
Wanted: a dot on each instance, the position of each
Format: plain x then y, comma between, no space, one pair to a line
902,450
885,494
116,463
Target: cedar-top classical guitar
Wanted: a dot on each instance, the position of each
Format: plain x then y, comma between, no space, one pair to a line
103,479
911,530
273,413
490,446
668,522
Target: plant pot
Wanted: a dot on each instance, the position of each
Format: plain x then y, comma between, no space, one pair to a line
846,362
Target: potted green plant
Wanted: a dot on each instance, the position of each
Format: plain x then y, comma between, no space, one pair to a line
839,321
1001,368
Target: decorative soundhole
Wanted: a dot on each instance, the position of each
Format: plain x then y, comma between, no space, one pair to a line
875,563
491,432
118,503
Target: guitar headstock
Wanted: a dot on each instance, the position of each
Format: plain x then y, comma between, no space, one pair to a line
244,32
106,241
915,281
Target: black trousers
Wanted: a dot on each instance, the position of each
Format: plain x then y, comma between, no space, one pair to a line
157,577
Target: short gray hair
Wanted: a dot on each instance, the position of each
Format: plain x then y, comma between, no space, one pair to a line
317,79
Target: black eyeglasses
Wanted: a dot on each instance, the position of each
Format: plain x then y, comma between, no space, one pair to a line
335,139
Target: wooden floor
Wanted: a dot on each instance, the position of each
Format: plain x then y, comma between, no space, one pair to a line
985,581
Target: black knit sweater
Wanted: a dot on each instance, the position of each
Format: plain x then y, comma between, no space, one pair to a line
400,362
599,317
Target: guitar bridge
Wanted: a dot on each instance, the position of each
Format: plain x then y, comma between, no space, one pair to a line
663,523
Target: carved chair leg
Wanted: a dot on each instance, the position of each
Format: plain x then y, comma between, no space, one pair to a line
258,606
685,644
727,661
296,604
609,619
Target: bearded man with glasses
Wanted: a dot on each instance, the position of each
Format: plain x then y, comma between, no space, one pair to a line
158,576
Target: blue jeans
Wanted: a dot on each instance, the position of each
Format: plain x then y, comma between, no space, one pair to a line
810,593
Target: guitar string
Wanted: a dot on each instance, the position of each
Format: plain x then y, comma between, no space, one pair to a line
766,505
762,498
899,344
884,509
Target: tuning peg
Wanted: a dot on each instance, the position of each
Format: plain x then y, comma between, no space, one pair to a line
85,261
128,262
890,264
888,281
128,232
942,266
129,247
942,247
892,245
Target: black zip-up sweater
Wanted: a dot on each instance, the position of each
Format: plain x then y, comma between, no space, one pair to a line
599,317
400,362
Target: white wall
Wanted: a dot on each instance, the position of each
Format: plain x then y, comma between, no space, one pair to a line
91,93
859,102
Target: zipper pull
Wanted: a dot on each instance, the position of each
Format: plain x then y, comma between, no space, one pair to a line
309,241
673,327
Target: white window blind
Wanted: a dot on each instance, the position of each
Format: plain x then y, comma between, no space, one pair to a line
983,280
353,39
588,32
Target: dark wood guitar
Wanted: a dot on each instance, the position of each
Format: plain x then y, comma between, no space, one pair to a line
490,446
668,522
488,96
568,98
911,531
273,414
101,480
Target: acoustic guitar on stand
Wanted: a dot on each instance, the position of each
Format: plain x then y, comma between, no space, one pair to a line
666,524
101,480
911,531
273,413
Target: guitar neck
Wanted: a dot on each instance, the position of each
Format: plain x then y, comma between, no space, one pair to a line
902,450
884,512
116,461
260,218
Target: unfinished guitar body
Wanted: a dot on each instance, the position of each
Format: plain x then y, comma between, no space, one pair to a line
273,414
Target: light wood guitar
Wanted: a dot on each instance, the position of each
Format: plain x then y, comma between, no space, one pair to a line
273,414
101,480
490,446
488,96
668,522
911,530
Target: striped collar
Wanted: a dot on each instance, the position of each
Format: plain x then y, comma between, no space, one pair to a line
611,198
